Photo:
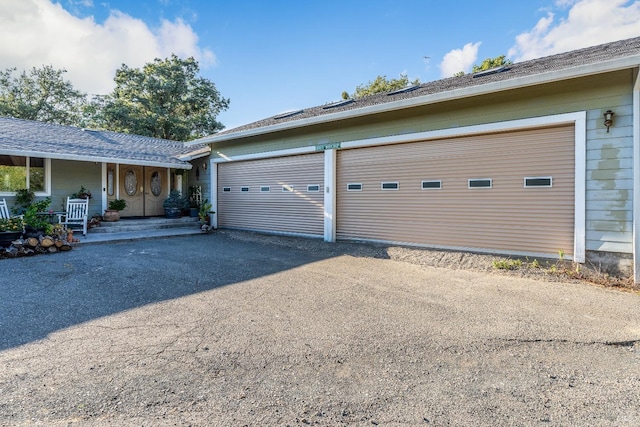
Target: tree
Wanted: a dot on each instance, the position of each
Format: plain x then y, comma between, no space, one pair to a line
487,64
165,99
41,94
379,85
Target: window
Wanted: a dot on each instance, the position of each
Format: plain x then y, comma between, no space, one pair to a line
18,172
428,185
287,188
265,189
226,189
313,188
538,181
354,187
244,189
390,186
481,183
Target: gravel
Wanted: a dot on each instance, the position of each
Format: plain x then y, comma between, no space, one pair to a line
242,329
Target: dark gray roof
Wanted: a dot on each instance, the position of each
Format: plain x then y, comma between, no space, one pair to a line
540,66
68,142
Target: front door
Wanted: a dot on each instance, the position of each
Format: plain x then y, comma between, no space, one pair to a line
155,190
132,190
144,188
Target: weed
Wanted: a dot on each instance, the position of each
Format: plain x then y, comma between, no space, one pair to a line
507,264
561,254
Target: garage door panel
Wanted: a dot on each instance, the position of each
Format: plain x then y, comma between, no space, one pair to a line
297,211
506,216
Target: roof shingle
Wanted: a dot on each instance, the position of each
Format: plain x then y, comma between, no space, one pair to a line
57,141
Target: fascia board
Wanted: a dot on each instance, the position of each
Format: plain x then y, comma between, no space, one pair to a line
520,82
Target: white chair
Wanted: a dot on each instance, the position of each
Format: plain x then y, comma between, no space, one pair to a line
76,214
4,209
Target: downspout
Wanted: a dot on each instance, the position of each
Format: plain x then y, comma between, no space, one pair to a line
635,123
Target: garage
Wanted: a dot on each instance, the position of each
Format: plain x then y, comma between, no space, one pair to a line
508,192
282,195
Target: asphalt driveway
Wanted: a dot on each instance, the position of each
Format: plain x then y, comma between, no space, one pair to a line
230,330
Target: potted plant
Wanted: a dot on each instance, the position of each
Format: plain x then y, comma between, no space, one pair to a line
83,193
36,219
10,230
113,213
204,212
174,204
195,197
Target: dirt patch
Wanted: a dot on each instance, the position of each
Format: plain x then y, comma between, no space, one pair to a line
551,270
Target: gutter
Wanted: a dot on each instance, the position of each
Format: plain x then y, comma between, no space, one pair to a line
504,85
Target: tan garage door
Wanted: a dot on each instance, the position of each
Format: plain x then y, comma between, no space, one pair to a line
467,192
279,195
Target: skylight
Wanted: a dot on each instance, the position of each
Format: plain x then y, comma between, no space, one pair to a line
338,104
404,90
288,114
490,71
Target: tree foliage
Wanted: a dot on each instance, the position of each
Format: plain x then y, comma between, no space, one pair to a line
487,64
379,85
41,94
165,99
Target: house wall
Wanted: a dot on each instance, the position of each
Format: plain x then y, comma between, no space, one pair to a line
66,178
609,155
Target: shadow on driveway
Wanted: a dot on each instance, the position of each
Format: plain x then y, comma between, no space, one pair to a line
42,294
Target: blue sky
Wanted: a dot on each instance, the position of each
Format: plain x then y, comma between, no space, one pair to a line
278,55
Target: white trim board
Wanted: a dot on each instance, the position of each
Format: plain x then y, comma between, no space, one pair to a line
636,176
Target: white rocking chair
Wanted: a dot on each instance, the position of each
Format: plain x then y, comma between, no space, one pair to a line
4,210
77,214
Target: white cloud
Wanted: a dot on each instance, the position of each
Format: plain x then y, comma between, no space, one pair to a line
459,60
38,32
588,23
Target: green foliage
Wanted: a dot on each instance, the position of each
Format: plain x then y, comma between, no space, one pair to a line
31,217
379,85
205,210
13,177
41,94
117,204
165,99
507,264
175,200
490,63
11,224
24,197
